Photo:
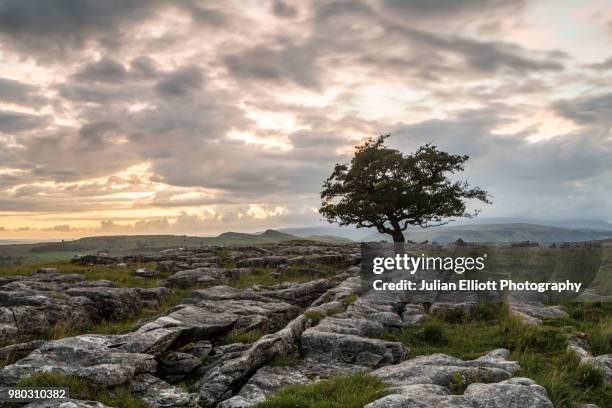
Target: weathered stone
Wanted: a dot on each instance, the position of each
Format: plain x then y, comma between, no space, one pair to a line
174,365
512,393
146,272
351,349
204,276
19,350
266,381
440,369
533,313
217,384
262,262
159,394
89,356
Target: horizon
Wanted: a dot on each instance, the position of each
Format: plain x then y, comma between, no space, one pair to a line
364,232
178,117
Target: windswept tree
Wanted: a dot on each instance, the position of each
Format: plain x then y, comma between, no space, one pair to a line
388,190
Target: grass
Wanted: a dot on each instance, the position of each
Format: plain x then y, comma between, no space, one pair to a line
540,351
123,276
273,276
350,299
79,388
238,336
290,360
315,316
354,391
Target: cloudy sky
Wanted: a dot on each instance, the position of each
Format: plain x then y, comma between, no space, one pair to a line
194,116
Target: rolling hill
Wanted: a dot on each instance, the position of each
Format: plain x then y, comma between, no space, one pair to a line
127,244
499,233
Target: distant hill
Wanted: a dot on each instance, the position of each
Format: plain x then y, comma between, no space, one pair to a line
498,233
129,244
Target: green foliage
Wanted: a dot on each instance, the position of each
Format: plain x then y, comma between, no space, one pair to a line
387,190
239,336
589,376
290,360
457,384
433,332
272,276
79,388
542,339
350,299
315,316
354,391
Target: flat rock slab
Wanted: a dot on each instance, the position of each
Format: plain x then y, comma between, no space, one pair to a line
441,369
352,349
533,313
89,356
512,393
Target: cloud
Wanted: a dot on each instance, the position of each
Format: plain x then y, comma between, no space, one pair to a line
288,62
104,70
181,82
16,122
52,29
284,10
19,93
186,115
524,177
59,228
428,9
587,110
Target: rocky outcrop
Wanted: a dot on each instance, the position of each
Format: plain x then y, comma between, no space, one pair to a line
328,327
159,394
33,305
512,393
442,370
94,357
265,382
204,276
430,381
217,385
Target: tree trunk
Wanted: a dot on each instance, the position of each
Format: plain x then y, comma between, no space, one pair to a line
398,236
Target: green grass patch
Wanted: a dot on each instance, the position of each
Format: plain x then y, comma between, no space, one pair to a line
315,316
290,360
123,276
350,299
354,391
274,276
79,388
238,336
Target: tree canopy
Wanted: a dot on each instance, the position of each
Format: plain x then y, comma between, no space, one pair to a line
388,190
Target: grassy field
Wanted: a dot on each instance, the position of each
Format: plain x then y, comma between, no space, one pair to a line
27,254
540,351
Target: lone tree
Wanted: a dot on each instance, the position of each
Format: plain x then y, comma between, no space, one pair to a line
388,190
